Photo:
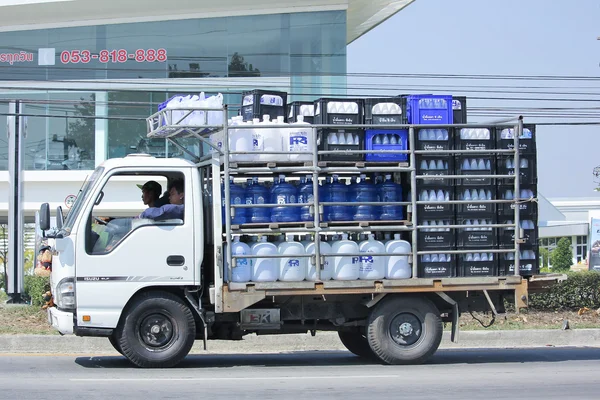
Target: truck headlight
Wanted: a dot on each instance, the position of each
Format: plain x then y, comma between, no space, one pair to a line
65,294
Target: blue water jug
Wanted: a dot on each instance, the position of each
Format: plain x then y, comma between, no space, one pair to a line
305,195
363,191
324,196
257,194
237,195
338,192
284,193
390,192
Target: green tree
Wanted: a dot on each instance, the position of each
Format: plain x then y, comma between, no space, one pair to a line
544,258
562,255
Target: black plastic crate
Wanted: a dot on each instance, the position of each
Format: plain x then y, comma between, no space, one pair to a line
385,110
438,236
505,165
529,263
459,109
527,141
529,209
347,151
477,264
506,236
475,237
304,108
428,268
474,138
434,139
474,193
257,103
342,111
436,166
435,211
475,165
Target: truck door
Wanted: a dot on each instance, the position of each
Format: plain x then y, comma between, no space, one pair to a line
123,253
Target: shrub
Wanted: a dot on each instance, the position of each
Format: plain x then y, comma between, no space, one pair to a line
562,255
581,289
35,287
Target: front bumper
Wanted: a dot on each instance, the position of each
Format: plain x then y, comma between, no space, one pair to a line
62,321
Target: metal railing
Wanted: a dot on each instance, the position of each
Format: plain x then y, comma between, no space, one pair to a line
162,124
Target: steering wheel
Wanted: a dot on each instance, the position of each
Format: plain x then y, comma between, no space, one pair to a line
101,222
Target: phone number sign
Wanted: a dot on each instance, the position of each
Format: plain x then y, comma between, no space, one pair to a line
113,56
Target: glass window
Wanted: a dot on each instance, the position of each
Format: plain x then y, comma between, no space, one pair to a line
105,232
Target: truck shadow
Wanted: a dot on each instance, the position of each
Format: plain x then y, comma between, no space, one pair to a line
344,358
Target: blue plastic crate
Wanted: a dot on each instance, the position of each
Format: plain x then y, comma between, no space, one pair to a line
429,109
374,136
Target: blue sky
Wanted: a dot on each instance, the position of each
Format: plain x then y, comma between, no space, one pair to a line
510,37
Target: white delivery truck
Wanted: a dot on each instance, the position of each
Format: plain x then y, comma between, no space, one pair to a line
154,286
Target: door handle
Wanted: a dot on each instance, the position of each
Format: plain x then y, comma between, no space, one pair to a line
175,261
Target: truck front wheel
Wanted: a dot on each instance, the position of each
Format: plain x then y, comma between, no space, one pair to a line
404,330
157,331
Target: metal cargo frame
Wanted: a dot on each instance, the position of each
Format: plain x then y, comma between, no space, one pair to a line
233,297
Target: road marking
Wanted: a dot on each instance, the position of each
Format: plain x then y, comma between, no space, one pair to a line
248,378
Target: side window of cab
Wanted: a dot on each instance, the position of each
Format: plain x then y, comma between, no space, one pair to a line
131,201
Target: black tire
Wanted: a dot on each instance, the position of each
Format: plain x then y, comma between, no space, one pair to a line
115,343
404,330
157,331
356,342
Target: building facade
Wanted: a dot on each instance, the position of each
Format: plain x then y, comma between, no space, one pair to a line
90,74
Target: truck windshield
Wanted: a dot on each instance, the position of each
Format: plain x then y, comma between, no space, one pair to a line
80,200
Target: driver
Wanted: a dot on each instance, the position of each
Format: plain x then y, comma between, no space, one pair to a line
151,192
168,211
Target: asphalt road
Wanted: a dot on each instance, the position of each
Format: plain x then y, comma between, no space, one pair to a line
538,373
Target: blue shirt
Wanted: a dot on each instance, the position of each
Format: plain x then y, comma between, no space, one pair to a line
168,211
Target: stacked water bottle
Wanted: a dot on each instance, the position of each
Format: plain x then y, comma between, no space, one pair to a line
284,196
343,259
386,111
435,188
330,111
528,214
476,217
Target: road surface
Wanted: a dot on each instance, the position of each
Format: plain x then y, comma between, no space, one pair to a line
538,373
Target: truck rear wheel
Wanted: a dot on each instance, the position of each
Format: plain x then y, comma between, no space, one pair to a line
158,331
356,342
404,330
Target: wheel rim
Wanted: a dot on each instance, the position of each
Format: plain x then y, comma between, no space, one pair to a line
156,331
405,329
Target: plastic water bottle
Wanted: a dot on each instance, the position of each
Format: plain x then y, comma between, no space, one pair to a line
271,140
305,195
390,192
324,196
345,268
363,192
327,271
284,193
292,268
371,267
242,272
332,138
240,139
237,195
299,137
397,265
264,269
257,194
338,192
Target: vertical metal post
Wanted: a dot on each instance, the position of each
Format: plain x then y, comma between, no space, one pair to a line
517,196
413,200
316,200
227,191
101,128
16,133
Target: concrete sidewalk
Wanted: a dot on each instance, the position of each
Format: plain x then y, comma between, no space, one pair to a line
288,343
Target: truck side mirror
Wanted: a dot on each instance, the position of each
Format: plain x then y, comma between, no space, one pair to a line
59,217
45,217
